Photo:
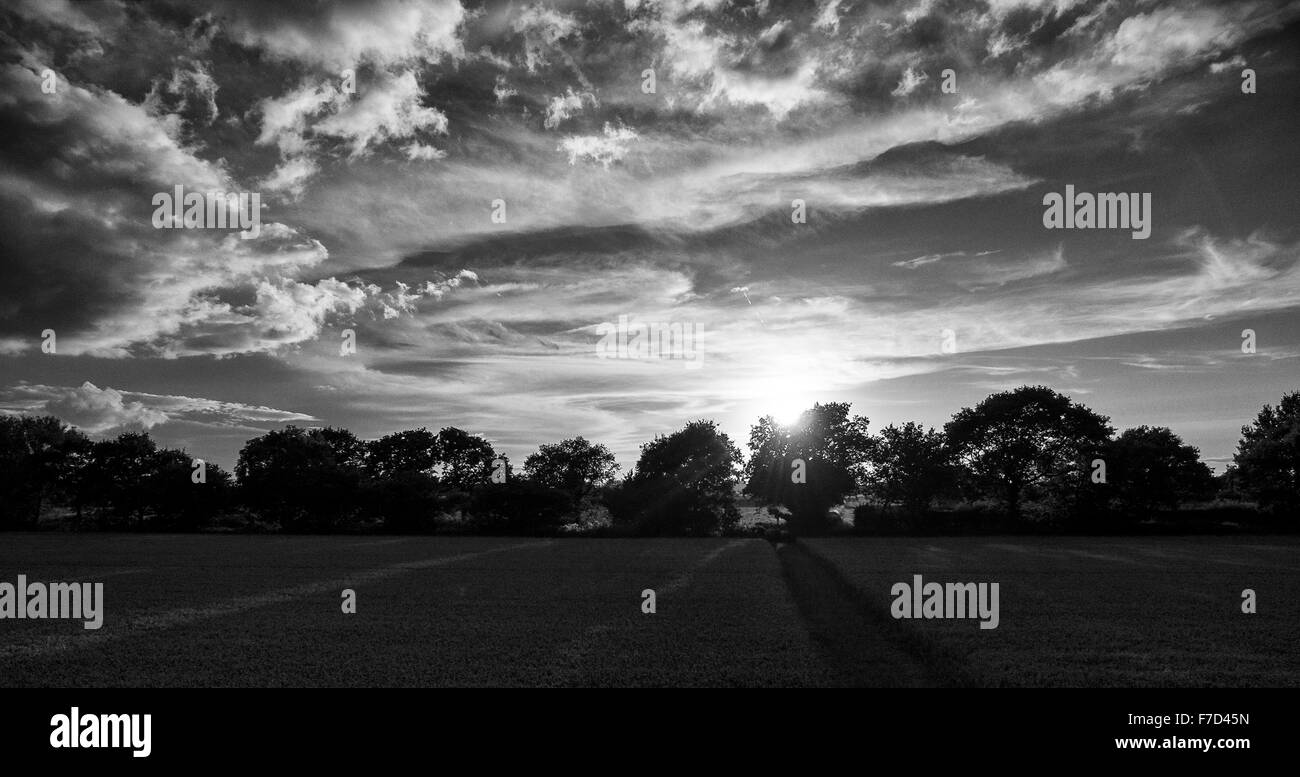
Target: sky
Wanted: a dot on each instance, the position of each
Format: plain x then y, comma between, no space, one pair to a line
475,194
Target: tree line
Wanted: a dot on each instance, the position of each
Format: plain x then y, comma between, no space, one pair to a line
1030,457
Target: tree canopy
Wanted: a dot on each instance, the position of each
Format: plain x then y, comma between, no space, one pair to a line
575,466
1149,468
911,466
683,483
808,466
1268,456
1016,441
1029,448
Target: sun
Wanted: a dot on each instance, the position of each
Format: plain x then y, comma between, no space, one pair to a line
783,396
787,412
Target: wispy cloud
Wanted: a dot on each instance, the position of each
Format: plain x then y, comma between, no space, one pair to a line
108,410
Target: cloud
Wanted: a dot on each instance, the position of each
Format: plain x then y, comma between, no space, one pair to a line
285,118
609,147
1151,40
436,289
1220,278
492,324
109,137
688,175
661,183
292,174
977,271
89,20
179,298
543,28
1146,47
1228,64
421,152
1231,263
720,70
109,411
909,82
746,348
388,109
142,291
921,261
191,89
998,273
764,333
90,408
502,91
828,17
342,35
564,106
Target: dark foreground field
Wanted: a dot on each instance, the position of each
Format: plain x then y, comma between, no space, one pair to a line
265,611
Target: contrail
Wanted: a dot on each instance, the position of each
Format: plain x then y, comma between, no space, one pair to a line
744,291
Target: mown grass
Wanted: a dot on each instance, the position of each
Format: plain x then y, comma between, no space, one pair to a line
1134,612
186,610
545,613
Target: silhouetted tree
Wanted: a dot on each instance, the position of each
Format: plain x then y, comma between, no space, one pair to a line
683,483
1228,485
178,503
910,467
1150,468
118,477
347,449
1015,442
39,457
402,489
305,479
1268,457
407,501
410,451
810,465
574,466
462,461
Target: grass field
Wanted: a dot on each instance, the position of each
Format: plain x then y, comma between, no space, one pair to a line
184,610
1096,611
265,611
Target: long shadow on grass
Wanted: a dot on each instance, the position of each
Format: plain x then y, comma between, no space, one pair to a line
860,643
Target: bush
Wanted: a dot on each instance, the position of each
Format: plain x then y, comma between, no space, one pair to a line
662,506
869,519
873,518
407,502
520,507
